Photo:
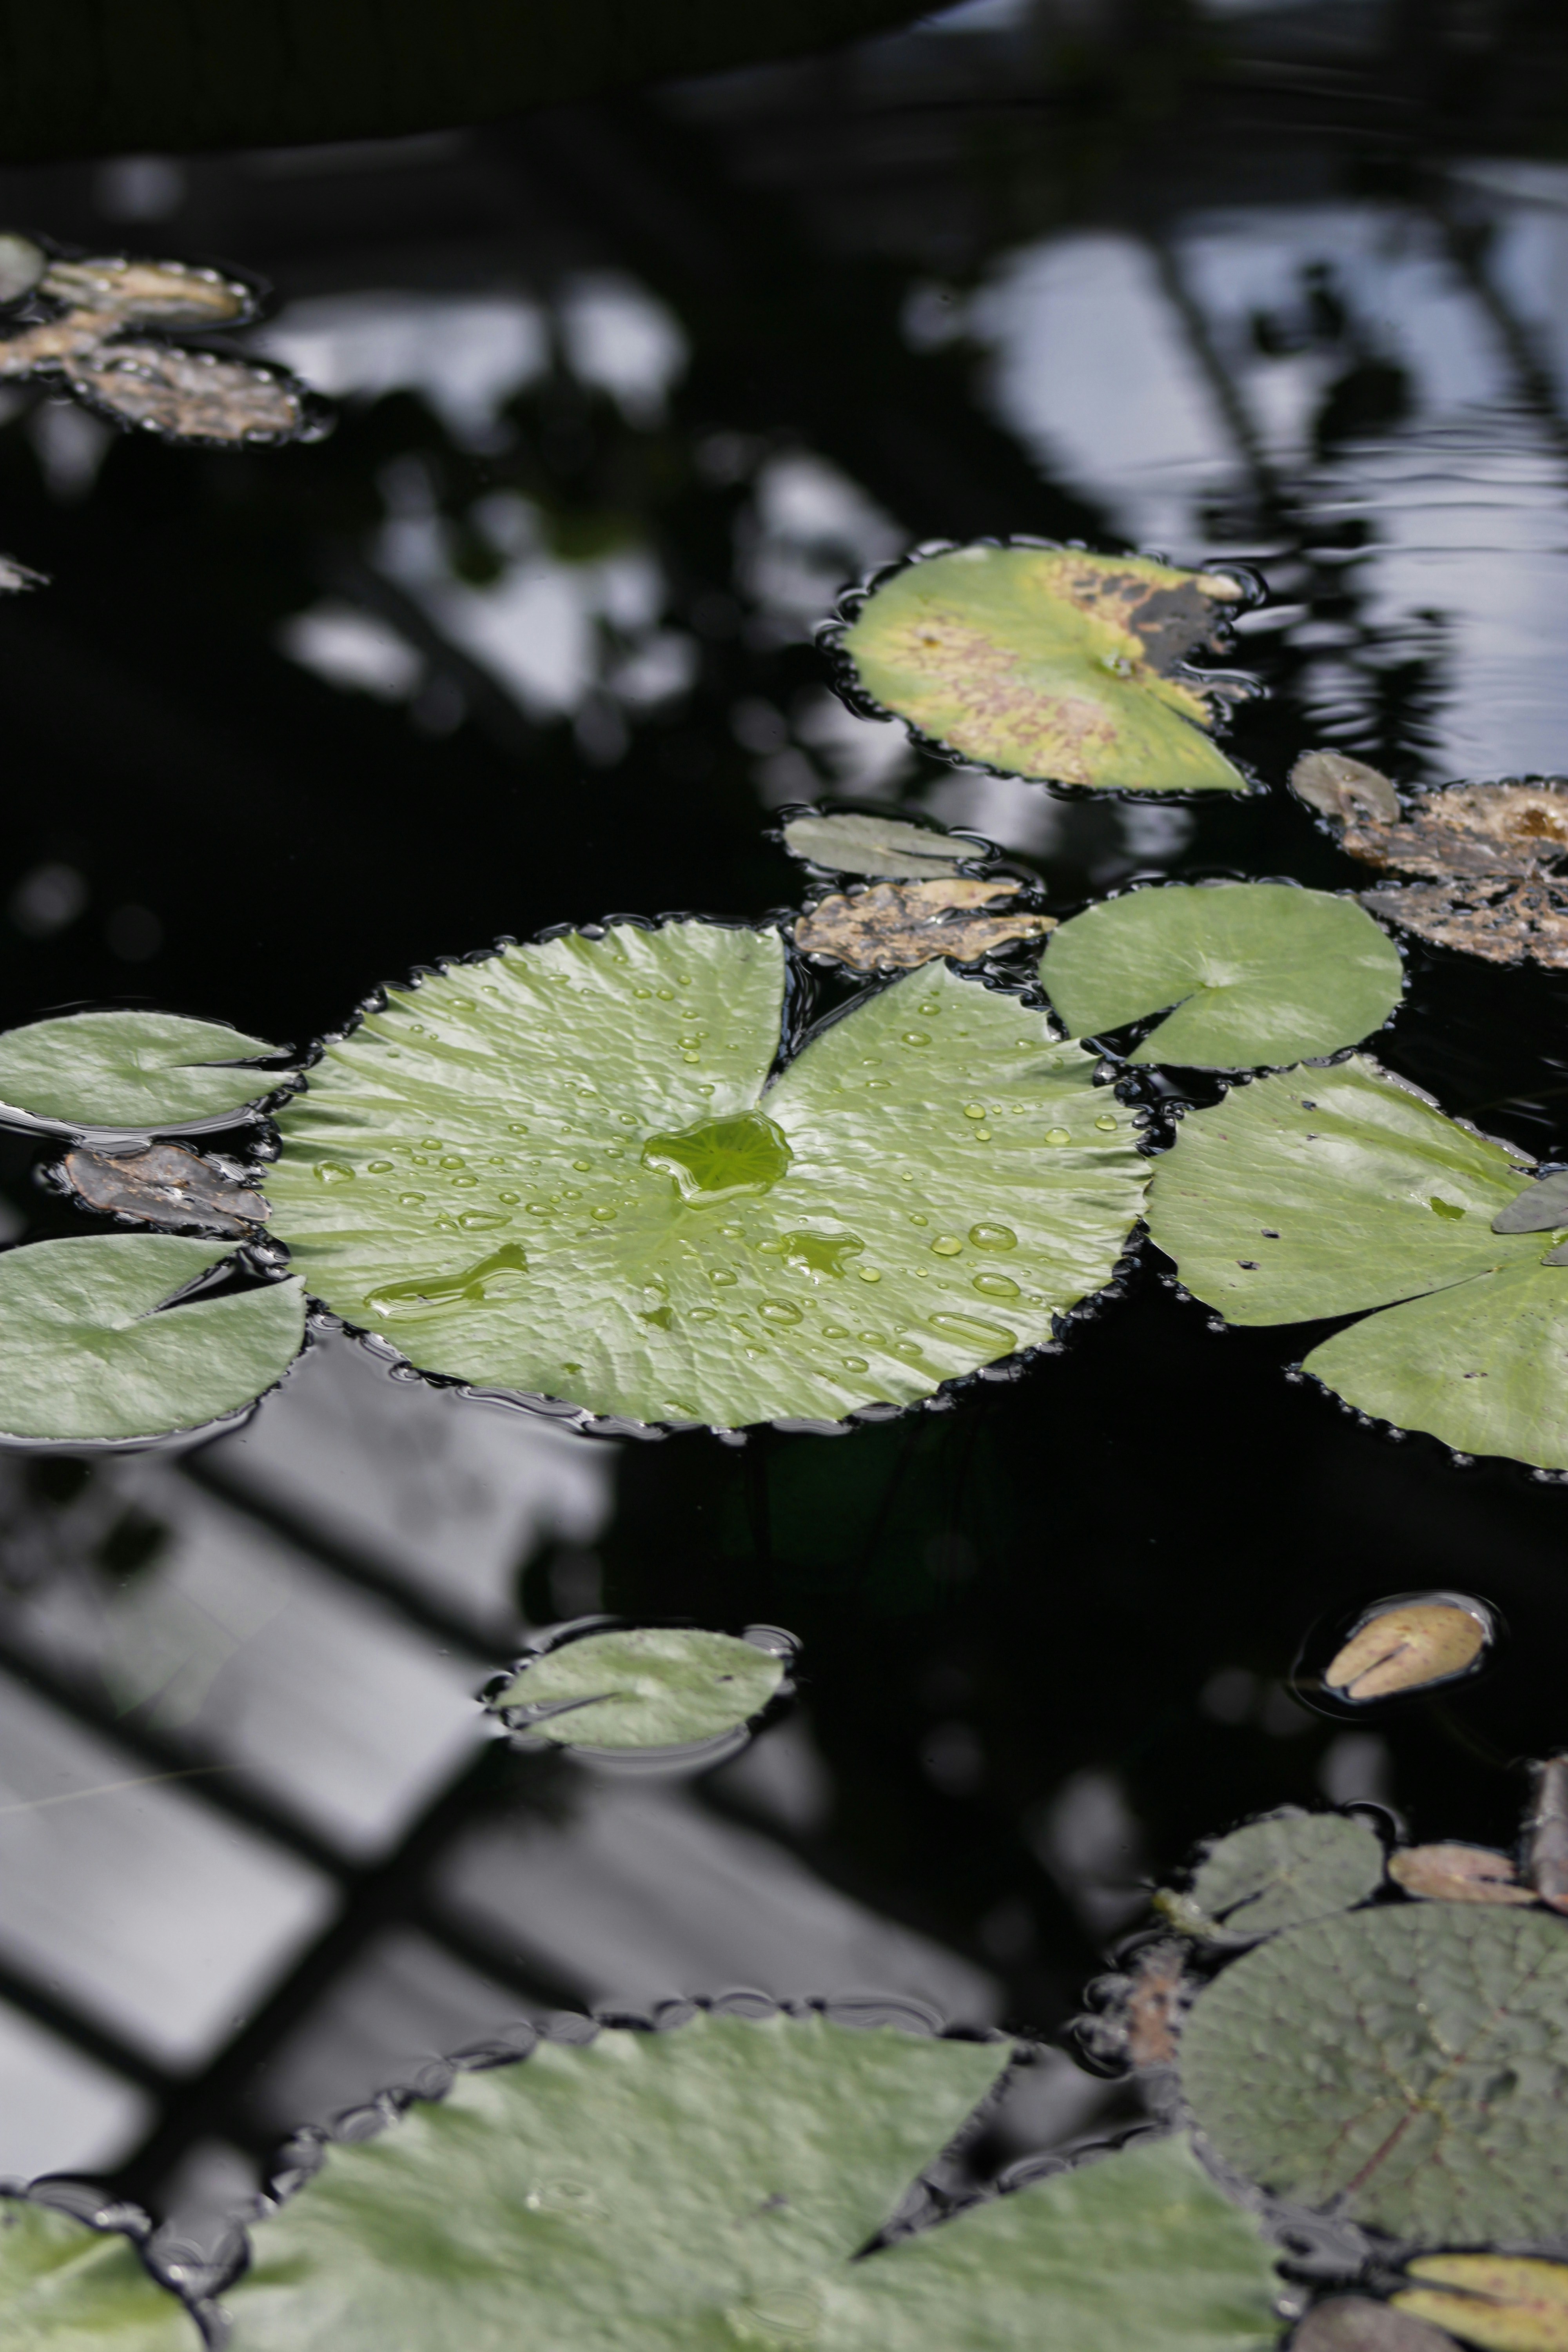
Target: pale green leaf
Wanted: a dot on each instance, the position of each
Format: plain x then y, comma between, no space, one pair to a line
645,1686
1283,1871
130,1070
882,845
68,2287
89,1356
1137,2252
1410,2061
1047,662
557,1170
1331,1191
680,2189
1259,972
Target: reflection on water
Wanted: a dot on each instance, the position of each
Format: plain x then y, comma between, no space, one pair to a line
628,395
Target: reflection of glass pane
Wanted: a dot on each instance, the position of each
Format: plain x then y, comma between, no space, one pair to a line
59,2112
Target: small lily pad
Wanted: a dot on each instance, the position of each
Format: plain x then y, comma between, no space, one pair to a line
894,926
165,1185
1355,2322
131,1070
1457,1874
1342,787
192,395
711,2186
67,2286
1047,663
565,1170
1259,972
1407,1646
1279,1873
121,292
887,847
1335,1192
1407,2066
1505,2303
89,1356
642,1687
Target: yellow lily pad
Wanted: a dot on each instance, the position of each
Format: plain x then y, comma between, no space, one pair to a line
1407,1647
1505,2303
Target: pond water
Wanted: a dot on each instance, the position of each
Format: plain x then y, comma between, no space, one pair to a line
627,394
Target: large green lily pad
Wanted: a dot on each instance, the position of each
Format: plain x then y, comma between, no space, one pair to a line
644,1686
1410,2061
1050,662
89,1356
1279,1873
68,2287
1334,1191
130,1070
563,1169
1259,972
710,2187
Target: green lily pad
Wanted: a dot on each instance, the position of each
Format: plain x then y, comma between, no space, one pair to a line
1049,663
880,845
1334,1191
562,1170
1279,1873
710,2187
88,1356
1259,972
644,1686
130,1070
66,2286
1408,2065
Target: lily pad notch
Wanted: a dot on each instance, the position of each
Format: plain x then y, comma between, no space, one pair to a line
659,1695
1049,664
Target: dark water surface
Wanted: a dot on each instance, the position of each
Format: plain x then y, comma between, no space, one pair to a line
629,394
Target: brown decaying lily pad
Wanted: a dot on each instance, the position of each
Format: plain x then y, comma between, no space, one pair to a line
1546,1833
166,1186
1458,1873
1404,1648
1487,851
1355,2322
188,395
1154,2004
894,926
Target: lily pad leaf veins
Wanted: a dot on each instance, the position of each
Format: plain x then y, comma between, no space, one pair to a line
565,1170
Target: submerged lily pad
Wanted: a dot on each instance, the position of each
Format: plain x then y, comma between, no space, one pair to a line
1505,2303
1407,2064
1334,1191
66,2286
1049,663
165,1185
563,1169
1259,972
885,846
894,926
1408,1645
642,1687
1279,1873
1355,2322
710,2186
87,1354
128,1070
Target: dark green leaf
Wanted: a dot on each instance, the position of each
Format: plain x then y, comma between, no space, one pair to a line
1282,1872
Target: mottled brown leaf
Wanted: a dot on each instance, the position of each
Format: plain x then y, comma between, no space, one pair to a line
896,925
126,292
1154,2006
189,396
166,1186
1505,2303
1406,1648
1458,1873
1546,1833
1355,2322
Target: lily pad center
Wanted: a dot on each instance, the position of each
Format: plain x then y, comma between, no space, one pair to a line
721,1158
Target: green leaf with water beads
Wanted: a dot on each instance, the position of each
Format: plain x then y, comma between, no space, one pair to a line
130,1070
87,1354
684,2189
1278,1873
710,2187
1411,2062
66,2286
645,1686
1259,972
1333,1191
563,1169
1050,662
